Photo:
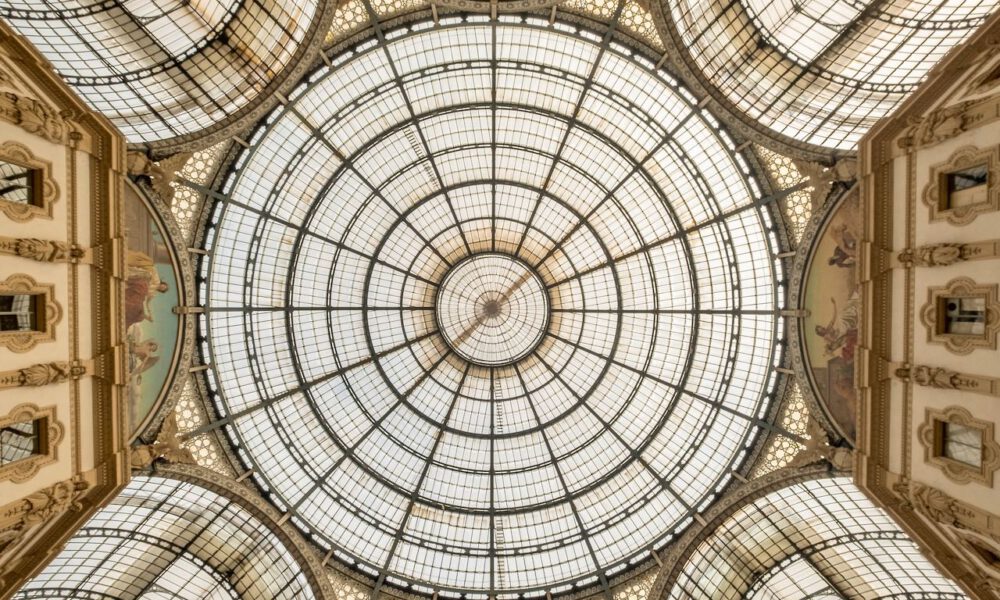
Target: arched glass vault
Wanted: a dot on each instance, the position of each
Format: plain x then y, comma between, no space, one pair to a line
820,72
590,387
163,69
820,538
165,539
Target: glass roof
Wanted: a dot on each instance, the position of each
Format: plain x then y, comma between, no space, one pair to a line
164,539
159,69
821,71
385,426
818,539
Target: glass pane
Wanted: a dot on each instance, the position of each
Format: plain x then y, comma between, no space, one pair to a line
964,444
17,183
18,312
965,315
18,441
967,186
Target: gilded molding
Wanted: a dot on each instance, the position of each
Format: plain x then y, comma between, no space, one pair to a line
935,192
25,469
961,287
22,341
930,438
166,447
19,154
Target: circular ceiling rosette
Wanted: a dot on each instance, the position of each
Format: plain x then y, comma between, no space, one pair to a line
492,307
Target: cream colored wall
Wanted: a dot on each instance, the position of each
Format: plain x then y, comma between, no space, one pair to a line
73,399
981,361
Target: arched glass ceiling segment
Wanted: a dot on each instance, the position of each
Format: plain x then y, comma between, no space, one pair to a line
817,539
163,538
821,71
164,68
625,200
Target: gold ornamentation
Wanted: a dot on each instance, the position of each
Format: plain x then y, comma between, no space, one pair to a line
935,195
932,255
167,446
159,176
52,434
933,318
931,438
41,250
818,449
928,501
50,313
20,155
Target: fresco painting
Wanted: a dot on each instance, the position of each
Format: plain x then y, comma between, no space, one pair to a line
832,296
151,293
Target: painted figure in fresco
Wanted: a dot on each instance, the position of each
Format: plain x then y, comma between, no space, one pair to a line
841,333
141,287
845,254
143,358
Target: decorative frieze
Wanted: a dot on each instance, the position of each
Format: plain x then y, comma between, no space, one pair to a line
938,506
38,508
36,117
41,250
42,374
947,379
947,254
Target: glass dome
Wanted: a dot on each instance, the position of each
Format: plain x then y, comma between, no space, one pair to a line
491,307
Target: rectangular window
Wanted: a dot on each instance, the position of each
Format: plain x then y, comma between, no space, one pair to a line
20,312
21,440
20,185
962,444
964,315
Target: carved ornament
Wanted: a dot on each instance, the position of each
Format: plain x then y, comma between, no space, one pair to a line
42,374
26,468
41,250
935,193
930,436
19,154
40,507
51,313
962,287
946,379
35,117
167,447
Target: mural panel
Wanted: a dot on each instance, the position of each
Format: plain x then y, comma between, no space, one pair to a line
833,298
151,292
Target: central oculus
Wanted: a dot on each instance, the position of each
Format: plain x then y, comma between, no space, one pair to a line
492,309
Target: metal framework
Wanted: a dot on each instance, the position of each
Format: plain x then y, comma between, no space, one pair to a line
164,538
815,539
817,71
161,70
544,142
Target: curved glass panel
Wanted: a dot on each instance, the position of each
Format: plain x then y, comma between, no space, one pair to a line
604,264
821,71
818,539
162,538
164,69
